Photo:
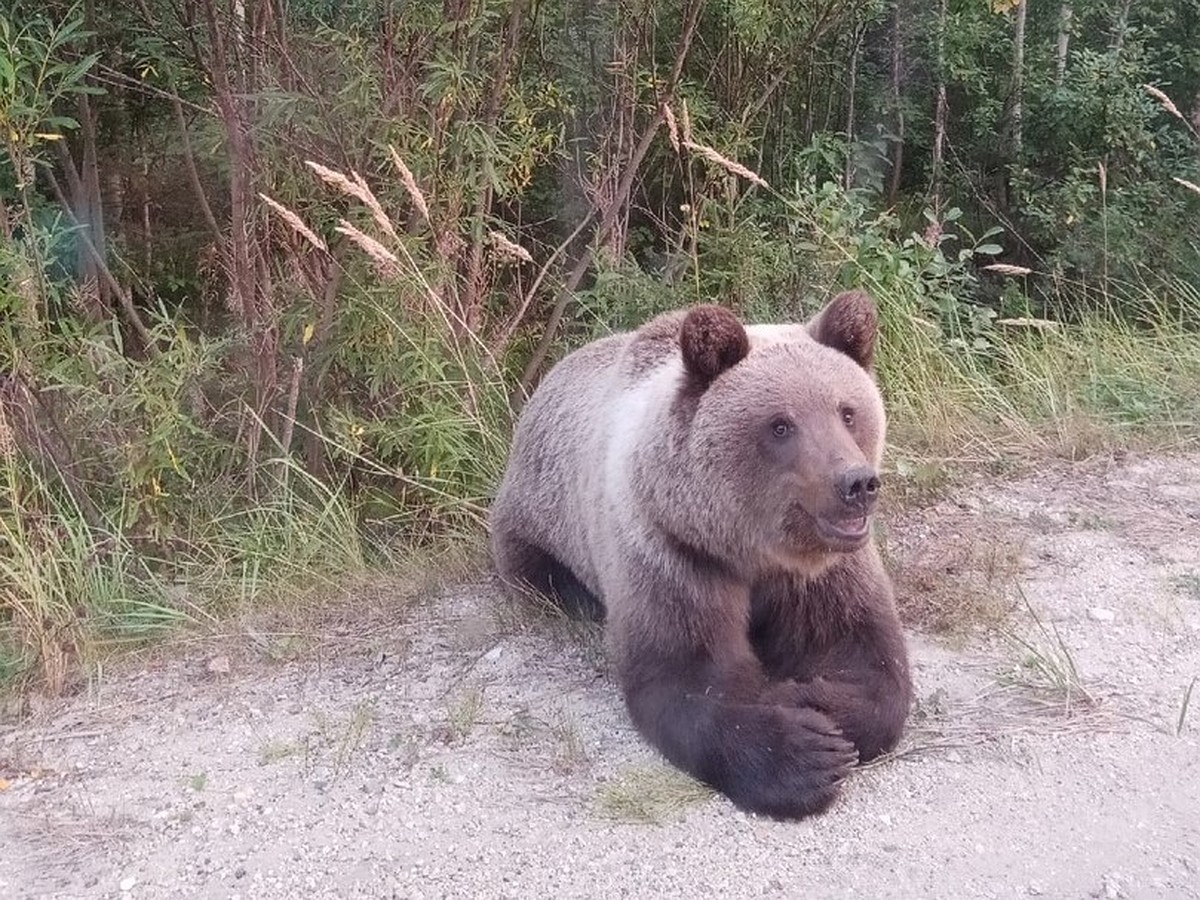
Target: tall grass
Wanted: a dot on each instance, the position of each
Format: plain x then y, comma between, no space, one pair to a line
1112,376
70,591
65,586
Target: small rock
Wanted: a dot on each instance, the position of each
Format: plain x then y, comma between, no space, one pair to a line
128,883
493,654
219,665
1100,614
1034,889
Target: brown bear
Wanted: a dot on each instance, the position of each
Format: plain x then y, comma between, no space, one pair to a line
711,485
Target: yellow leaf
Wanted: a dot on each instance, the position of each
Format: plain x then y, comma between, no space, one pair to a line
5,784
308,332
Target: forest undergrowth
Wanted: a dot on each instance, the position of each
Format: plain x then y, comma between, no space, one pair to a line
275,278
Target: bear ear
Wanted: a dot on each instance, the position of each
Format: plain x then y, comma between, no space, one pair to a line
712,340
849,323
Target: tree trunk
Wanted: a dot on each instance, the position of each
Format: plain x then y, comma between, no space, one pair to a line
851,88
940,110
1121,26
234,88
1018,82
1065,14
897,100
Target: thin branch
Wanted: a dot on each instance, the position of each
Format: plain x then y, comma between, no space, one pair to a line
506,335
189,158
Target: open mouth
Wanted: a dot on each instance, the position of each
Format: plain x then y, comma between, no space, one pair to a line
850,531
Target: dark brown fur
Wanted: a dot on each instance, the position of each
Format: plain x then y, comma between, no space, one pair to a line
711,340
752,625
849,324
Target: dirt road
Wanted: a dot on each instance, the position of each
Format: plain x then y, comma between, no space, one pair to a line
454,745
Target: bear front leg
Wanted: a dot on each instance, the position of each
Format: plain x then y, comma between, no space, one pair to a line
711,712
870,707
853,668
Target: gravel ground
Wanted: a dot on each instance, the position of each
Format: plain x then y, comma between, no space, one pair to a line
452,745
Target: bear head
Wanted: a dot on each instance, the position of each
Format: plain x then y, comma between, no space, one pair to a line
778,434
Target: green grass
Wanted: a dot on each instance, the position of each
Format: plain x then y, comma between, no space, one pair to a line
1046,666
71,592
1188,585
67,586
1067,390
651,795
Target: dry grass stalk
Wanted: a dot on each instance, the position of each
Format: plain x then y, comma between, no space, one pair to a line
728,164
386,261
410,184
1005,269
8,440
507,249
1026,322
381,218
672,126
1164,100
337,179
687,122
294,221
1190,185
356,187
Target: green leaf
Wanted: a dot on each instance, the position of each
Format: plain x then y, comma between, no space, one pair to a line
988,250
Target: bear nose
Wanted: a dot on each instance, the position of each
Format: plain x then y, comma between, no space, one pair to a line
858,486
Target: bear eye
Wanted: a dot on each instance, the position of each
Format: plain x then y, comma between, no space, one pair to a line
848,416
782,427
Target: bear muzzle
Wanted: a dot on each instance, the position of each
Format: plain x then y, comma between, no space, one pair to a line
857,493
858,488
845,534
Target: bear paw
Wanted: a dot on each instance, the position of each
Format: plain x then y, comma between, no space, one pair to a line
783,762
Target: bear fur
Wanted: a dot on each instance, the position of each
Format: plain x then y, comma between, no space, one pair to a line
711,486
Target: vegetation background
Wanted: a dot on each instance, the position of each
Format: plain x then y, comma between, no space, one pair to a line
276,273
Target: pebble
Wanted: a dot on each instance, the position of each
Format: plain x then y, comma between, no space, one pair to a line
1100,614
128,883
